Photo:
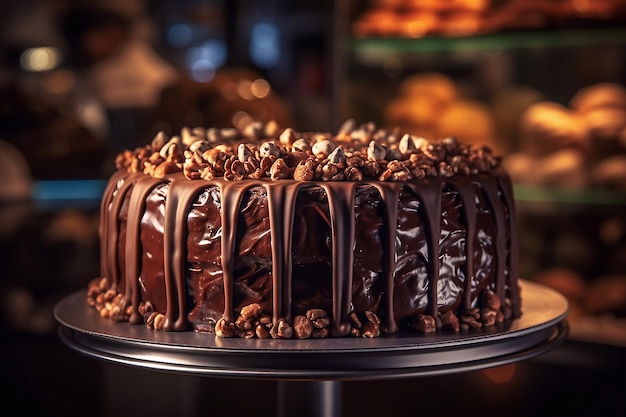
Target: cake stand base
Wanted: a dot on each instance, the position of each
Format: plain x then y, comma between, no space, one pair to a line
309,399
310,371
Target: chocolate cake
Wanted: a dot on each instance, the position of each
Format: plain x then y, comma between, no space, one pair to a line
265,232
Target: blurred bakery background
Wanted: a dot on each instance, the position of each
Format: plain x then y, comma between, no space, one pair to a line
541,81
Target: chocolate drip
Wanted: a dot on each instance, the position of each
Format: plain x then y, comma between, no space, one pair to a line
463,186
490,187
341,205
112,244
281,199
232,194
506,188
389,193
177,203
429,192
142,187
105,228
342,217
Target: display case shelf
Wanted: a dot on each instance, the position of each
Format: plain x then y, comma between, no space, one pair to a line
539,39
582,196
52,194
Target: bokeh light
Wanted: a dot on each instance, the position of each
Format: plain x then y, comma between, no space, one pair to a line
40,59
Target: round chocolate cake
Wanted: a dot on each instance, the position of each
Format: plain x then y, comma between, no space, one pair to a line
267,232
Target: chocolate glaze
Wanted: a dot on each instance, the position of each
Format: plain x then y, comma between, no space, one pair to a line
133,278
429,194
201,250
281,211
389,196
108,235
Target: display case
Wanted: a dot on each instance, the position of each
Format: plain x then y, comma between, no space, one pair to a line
486,82
49,242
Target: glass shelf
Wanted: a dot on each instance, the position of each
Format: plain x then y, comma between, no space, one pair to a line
497,41
53,194
589,197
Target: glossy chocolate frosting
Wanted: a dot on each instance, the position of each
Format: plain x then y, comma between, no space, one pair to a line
201,251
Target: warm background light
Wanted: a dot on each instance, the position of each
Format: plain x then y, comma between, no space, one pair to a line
40,59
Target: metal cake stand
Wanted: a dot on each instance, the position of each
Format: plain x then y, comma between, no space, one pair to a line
310,371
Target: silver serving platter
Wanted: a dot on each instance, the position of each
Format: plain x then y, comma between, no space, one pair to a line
541,328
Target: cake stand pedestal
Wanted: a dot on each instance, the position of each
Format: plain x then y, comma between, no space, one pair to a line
310,371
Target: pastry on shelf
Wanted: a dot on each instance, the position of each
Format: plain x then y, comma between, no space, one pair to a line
547,126
601,95
422,97
610,173
579,144
563,168
462,23
418,18
376,22
433,84
430,104
448,5
602,106
416,24
454,121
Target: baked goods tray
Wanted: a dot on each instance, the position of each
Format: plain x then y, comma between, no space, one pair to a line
542,327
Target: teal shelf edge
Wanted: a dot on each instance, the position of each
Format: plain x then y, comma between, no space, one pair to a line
495,41
67,189
540,194
61,194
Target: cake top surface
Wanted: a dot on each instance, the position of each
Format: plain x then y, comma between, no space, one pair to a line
265,150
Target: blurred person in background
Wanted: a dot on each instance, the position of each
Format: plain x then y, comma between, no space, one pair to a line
55,143
120,76
77,79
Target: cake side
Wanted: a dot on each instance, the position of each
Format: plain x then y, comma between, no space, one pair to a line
311,258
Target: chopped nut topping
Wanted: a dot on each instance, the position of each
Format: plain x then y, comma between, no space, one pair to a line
250,311
109,303
489,299
302,327
425,323
450,321
354,153
224,329
370,330
315,314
